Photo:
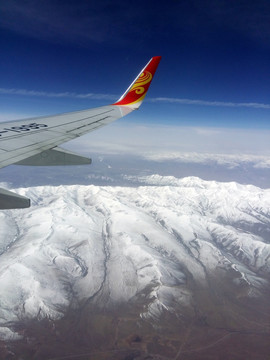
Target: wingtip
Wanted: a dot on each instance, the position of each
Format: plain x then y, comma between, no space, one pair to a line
136,92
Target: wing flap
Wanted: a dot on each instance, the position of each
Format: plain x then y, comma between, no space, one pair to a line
54,157
11,200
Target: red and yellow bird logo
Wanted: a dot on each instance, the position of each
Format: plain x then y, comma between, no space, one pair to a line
137,91
143,79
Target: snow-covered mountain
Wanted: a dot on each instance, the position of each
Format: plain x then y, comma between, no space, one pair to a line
161,245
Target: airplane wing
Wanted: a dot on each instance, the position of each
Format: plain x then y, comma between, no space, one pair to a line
35,141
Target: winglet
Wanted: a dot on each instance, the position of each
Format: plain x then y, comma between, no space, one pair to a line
136,92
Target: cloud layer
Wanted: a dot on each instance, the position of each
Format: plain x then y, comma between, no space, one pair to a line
228,160
180,101
25,92
211,103
228,147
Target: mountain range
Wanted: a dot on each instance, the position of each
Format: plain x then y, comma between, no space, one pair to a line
174,267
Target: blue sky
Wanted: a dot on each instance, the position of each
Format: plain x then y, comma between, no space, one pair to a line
214,69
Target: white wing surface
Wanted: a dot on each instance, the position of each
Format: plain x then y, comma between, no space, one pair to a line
35,141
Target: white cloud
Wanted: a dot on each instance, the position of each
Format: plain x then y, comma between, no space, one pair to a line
66,94
25,92
227,147
228,160
211,103
208,131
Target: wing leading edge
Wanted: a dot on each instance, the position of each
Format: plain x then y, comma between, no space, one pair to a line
35,141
